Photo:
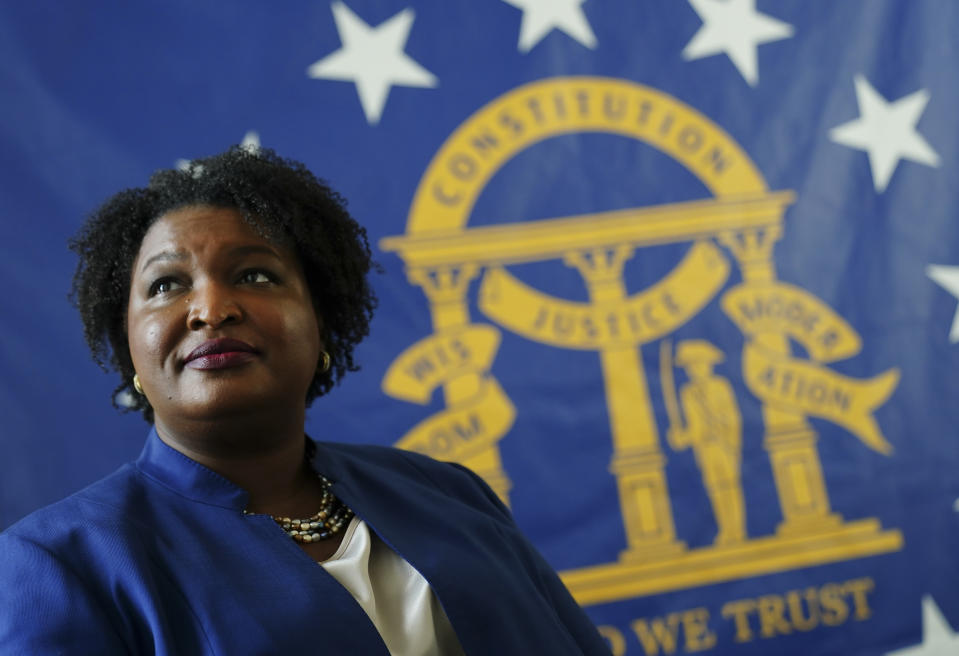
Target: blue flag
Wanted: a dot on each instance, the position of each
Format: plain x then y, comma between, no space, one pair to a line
678,279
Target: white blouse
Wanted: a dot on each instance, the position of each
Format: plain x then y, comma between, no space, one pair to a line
397,599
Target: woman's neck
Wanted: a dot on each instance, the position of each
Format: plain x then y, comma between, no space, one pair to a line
265,458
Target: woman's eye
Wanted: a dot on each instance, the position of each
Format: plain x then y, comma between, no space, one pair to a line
255,276
164,285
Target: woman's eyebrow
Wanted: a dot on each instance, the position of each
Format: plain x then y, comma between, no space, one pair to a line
163,256
238,251
253,249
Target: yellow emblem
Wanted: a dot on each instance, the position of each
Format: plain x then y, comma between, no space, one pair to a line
738,227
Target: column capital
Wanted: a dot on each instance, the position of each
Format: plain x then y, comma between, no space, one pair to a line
753,250
599,265
443,284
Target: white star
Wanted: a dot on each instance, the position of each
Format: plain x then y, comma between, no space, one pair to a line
947,277
938,638
540,17
736,28
372,58
250,143
886,131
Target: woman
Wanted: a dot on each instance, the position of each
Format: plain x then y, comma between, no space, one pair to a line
228,297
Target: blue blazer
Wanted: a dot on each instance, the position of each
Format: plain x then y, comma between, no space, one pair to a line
158,558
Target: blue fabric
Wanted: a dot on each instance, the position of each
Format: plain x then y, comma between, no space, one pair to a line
158,558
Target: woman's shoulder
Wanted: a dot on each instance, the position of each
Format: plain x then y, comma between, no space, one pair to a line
107,504
388,460
379,455
362,461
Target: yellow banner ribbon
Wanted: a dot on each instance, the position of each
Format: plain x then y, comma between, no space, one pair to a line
785,309
438,359
461,431
813,389
643,317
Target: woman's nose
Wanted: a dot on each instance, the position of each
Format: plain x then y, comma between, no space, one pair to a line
213,305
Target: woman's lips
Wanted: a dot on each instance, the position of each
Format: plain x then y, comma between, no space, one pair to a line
220,354
221,360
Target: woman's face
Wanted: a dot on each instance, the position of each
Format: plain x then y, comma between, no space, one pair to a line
220,320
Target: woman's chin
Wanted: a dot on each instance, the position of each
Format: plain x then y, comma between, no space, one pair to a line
222,402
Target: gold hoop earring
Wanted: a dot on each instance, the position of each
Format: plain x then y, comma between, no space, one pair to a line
137,386
325,362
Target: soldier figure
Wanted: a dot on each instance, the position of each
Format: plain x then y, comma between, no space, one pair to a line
714,431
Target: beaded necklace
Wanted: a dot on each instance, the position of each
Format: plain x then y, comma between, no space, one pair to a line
327,522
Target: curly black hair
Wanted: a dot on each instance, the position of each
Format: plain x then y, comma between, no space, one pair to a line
280,199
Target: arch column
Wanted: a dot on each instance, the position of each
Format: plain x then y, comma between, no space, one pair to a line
446,288
789,439
638,462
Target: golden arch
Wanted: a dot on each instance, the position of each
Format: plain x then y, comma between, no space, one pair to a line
517,120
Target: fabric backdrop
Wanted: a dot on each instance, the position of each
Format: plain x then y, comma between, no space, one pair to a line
679,278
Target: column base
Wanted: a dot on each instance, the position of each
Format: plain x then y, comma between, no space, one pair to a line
799,526
652,552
